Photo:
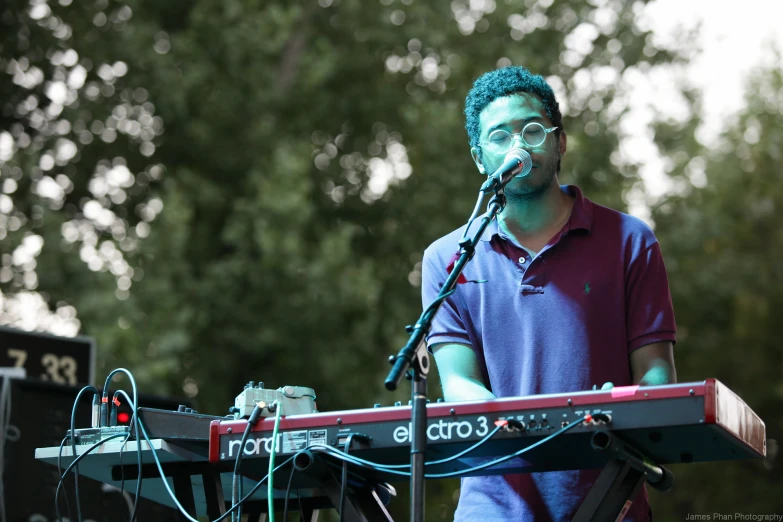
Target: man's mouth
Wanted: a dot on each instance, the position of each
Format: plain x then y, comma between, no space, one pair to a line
524,176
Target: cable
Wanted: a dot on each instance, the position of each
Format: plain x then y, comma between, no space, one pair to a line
465,451
73,464
168,487
122,472
236,490
344,476
339,455
507,457
73,446
473,216
60,474
288,492
134,406
141,431
371,465
299,501
174,497
236,481
270,492
136,420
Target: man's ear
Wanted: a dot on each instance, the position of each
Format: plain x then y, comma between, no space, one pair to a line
563,143
474,152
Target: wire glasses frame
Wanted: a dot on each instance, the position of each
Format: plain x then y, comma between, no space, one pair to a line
533,134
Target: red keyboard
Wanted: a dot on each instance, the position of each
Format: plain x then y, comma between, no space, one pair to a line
688,422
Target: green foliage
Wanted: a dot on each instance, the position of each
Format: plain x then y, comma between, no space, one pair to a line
722,247
290,161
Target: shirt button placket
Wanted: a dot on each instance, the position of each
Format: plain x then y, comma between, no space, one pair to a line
522,262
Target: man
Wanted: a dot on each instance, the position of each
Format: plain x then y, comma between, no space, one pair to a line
562,294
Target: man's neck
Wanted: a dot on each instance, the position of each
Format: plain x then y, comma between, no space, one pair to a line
532,222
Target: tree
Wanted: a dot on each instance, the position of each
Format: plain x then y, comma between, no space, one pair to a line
251,184
721,243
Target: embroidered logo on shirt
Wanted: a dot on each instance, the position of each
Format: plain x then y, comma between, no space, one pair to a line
587,288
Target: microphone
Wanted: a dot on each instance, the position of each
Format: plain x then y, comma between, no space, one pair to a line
517,163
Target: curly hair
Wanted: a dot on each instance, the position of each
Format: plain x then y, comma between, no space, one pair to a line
504,82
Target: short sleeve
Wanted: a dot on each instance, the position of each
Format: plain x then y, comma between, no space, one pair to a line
448,325
650,315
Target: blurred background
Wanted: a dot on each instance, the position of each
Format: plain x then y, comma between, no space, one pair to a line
235,190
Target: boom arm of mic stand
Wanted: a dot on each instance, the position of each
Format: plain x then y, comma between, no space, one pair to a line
406,356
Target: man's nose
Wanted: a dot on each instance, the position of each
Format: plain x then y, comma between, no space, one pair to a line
518,142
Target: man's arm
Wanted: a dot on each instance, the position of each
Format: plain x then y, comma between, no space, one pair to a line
653,364
460,374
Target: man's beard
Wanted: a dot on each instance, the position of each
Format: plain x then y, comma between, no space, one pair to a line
527,193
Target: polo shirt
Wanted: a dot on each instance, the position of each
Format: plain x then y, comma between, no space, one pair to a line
562,321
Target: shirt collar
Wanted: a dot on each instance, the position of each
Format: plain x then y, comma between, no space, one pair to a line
581,215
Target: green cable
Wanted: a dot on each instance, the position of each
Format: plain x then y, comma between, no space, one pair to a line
270,489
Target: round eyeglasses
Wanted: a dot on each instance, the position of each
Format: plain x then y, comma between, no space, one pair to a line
500,141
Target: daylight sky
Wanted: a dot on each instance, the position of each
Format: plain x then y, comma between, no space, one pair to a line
735,38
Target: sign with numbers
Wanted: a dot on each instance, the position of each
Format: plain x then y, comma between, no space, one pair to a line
62,360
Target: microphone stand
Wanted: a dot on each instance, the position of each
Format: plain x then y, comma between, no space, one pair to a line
413,359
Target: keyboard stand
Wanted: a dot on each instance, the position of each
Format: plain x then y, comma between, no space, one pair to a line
181,474
622,477
610,497
362,501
